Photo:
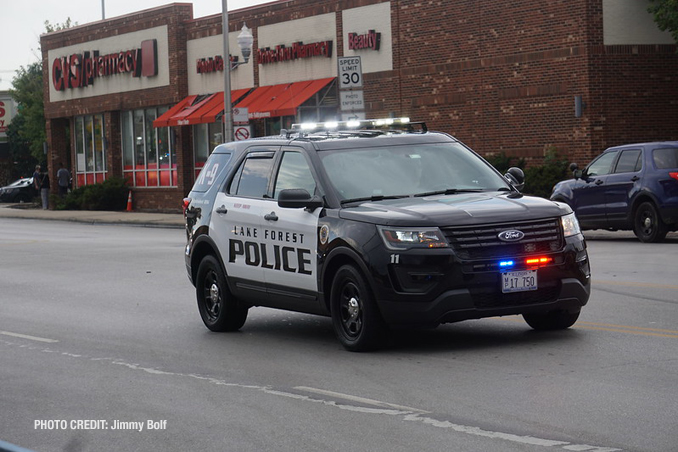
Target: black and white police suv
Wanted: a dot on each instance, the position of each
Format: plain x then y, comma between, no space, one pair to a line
378,224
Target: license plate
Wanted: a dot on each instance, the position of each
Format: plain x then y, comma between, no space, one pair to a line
519,281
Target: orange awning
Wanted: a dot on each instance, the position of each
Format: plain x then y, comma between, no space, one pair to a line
197,109
281,100
208,115
183,118
163,120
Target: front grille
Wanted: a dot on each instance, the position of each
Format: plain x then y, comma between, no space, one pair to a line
482,242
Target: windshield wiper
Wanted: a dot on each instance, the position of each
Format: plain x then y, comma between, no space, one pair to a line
372,198
450,191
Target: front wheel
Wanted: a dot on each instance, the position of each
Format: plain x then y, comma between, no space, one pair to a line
356,319
552,320
219,310
648,225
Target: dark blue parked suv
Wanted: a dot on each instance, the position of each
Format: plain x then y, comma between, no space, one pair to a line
632,187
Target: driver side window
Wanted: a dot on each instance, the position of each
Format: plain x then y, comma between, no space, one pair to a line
602,165
294,172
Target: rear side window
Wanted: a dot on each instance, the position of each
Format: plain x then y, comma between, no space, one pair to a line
629,161
213,167
665,158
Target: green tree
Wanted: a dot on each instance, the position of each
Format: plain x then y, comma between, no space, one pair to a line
665,15
27,92
21,159
28,126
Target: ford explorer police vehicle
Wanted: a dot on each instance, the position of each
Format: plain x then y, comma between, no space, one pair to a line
378,224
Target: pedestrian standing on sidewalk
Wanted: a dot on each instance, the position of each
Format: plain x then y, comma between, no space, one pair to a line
63,179
36,178
44,191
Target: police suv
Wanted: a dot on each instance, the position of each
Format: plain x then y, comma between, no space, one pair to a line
378,224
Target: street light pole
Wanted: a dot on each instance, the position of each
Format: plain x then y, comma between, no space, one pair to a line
228,113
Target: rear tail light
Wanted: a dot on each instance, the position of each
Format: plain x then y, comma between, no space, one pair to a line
184,204
674,175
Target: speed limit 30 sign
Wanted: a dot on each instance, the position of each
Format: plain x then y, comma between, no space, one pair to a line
350,72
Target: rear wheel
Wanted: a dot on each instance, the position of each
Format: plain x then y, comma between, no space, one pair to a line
219,310
355,317
648,225
552,320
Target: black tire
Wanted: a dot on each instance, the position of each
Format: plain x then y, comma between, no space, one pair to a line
648,225
356,319
552,320
219,310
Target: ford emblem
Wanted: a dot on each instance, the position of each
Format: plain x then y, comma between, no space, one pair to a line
512,235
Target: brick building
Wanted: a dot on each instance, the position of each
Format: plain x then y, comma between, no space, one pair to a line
139,95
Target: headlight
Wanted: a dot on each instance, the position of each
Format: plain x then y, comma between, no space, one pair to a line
570,225
403,238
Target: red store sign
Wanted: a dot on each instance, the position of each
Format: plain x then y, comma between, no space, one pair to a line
80,70
298,50
370,40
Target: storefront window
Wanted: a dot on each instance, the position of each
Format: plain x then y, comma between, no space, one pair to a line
149,158
90,149
205,138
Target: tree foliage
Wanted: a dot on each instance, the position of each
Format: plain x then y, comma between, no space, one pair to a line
27,129
27,92
665,15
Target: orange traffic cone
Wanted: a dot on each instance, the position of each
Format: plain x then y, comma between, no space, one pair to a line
129,201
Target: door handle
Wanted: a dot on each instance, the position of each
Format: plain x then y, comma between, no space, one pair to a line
222,210
271,216
599,181
635,178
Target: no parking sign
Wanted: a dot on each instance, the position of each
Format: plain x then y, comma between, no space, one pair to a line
241,133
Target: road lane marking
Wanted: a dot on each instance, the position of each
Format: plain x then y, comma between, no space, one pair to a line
633,284
639,330
26,336
656,332
358,399
384,408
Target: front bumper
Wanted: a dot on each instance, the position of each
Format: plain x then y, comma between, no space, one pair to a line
434,290
457,305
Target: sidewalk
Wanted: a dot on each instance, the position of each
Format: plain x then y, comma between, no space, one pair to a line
149,219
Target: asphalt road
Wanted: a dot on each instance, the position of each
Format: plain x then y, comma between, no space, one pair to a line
99,329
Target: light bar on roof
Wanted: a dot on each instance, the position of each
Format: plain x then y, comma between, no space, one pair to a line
348,125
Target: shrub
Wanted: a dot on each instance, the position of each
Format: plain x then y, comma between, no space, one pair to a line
108,195
539,180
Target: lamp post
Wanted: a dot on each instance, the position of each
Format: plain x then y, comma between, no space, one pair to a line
245,41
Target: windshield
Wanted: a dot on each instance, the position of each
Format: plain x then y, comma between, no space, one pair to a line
408,170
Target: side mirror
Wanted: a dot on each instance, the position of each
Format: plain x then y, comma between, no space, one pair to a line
298,198
516,177
576,172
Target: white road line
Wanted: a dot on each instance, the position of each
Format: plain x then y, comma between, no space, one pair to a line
384,408
359,399
26,336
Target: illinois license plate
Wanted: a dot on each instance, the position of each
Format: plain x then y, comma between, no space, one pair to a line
519,281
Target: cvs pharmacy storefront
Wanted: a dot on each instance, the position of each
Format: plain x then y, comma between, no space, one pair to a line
141,96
